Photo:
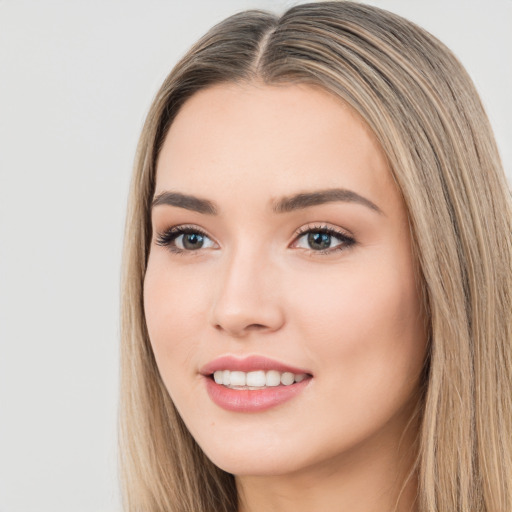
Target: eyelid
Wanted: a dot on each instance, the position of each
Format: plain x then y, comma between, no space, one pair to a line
325,227
166,237
346,238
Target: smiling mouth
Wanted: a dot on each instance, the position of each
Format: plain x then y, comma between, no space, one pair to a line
253,384
256,380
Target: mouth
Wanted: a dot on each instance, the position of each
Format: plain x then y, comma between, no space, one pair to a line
252,384
256,380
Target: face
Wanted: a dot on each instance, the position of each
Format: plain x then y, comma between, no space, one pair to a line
281,262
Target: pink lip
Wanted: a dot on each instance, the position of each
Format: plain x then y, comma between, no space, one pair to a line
245,400
248,364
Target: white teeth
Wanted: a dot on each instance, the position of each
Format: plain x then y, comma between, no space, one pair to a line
256,379
273,378
287,378
237,378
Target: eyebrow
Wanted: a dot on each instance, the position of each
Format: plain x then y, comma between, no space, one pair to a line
307,199
185,201
283,205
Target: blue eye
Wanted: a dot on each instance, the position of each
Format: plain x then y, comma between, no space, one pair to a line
320,240
184,239
190,241
323,240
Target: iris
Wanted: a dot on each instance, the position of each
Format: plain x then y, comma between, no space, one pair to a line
319,241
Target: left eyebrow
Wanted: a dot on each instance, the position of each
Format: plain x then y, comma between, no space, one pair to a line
307,199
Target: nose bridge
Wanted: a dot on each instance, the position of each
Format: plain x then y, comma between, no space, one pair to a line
247,292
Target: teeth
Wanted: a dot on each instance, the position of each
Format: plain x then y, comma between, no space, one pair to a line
287,378
257,379
237,378
273,378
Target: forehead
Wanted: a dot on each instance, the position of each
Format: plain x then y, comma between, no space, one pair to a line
256,139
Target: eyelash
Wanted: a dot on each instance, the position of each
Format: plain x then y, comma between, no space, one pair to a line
167,238
346,240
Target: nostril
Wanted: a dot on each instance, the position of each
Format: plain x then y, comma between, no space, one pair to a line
256,327
250,327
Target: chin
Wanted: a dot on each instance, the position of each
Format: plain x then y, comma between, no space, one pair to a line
260,455
241,453
256,465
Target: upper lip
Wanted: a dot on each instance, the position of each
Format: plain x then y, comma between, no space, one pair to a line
248,364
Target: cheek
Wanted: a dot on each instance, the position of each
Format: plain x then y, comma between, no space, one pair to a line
365,330
171,309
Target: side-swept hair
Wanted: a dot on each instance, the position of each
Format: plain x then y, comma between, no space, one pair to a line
424,110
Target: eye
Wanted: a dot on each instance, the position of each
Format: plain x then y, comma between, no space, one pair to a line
181,239
323,239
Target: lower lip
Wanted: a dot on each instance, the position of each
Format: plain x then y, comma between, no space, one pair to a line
257,400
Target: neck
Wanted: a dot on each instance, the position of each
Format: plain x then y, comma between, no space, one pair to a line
377,476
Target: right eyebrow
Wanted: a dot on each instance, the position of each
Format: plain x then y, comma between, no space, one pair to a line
195,204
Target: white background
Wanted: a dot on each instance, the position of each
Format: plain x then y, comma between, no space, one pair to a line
76,79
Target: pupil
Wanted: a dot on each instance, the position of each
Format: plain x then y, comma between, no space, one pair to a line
319,241
193,241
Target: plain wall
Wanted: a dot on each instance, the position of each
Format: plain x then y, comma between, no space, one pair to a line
76,79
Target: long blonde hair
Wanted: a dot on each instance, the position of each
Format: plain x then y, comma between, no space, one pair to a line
423,108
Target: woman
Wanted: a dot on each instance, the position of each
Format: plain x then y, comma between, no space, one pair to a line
317,279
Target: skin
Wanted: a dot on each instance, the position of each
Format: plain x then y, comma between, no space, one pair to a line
351,317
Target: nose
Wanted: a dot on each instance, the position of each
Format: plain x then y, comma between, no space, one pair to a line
248,296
